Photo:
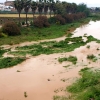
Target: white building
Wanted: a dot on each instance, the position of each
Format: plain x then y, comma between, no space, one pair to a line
5,8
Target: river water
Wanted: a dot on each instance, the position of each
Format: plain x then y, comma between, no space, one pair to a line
92,28
40,77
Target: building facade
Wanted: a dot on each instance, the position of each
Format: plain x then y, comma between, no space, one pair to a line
9,3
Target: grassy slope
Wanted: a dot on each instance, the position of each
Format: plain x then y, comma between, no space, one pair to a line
33,34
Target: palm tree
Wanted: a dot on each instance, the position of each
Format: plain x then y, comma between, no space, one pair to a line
40,6
68,8
54,8
33,7
51,6
46,6
18,4
74,7
27,4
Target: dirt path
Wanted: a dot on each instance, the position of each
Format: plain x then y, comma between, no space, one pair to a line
42,77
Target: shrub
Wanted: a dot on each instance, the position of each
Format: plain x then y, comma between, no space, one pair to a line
10,28
69,18
41,21
60,19
23,23
52,20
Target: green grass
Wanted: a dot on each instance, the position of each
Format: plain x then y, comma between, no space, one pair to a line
72,59
84,69
2,52
92,57
9,62
62,59
52,47
87,87
60,98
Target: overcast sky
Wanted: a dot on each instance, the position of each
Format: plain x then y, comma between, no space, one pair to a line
90,3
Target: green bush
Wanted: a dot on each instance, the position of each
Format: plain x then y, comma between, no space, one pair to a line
11,29
23,23
52,20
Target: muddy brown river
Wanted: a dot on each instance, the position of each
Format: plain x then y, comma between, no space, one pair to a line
93,28
41,77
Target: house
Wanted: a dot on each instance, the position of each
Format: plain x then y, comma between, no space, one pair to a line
9,3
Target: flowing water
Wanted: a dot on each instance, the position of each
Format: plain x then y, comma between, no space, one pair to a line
93,28
41,77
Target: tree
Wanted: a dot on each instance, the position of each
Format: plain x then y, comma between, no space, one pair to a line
40,7
68,8
27,4
74,7
46,6
19,4
51,6
33,7
82,7
54,9
60,8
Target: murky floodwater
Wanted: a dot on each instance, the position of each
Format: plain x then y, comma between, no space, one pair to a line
41,77
93,28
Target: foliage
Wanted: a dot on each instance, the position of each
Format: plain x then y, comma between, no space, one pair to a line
87,87
62,59
60,9
52,20
60,98
60,19
27,4
92,57
41,21
32,33
84,69
11,28
2,52
9,62
72,59
18,4
54,47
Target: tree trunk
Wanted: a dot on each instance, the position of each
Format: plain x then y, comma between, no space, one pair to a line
26,20
19,17
33,16
50,13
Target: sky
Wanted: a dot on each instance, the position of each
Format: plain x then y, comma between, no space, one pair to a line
90,3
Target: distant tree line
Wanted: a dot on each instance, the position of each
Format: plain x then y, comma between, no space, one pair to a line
49,6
